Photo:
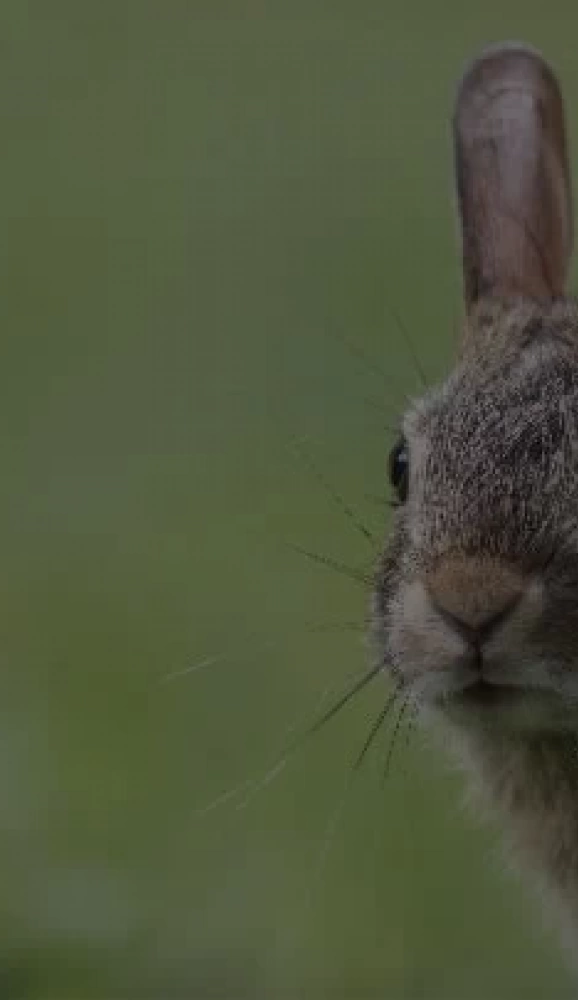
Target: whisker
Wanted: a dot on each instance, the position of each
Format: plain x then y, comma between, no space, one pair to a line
357,352
256,785
336,816
339,567
214,659
402,328
267,778
303,717
358,686
394,737
251,786
332,493
375,728
222,798
411,725
328,840
384,406
193,668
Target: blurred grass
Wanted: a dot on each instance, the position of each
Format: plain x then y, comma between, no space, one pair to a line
199,203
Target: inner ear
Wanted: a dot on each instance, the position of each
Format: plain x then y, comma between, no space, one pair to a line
512,177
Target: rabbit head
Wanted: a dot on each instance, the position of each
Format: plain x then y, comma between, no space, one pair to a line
476,598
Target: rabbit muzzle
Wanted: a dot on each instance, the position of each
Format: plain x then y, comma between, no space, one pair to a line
464,636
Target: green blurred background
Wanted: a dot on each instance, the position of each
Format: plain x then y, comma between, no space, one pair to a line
207,208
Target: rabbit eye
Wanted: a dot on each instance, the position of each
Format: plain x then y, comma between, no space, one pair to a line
399,469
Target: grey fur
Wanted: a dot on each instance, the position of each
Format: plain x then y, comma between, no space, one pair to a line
490,527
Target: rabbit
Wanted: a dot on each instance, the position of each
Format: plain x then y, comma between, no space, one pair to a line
475,602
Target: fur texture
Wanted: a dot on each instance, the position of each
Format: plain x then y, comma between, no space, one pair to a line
476,598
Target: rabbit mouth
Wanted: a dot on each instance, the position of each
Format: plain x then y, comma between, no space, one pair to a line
485,694
519,707
481,695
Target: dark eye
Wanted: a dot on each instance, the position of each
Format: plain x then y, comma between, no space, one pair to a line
399,469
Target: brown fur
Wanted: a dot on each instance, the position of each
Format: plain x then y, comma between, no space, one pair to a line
476,599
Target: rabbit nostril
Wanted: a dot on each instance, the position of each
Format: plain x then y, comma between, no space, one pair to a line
476,635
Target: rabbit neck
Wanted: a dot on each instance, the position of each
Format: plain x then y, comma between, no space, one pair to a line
531,782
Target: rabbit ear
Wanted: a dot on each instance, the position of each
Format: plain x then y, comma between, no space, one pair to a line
512,176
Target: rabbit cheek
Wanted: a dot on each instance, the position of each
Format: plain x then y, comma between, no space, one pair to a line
429,655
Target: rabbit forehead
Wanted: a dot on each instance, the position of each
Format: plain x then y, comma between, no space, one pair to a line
514,355
494,450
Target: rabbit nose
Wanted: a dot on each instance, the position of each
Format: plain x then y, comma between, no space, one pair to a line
474,597
476,635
